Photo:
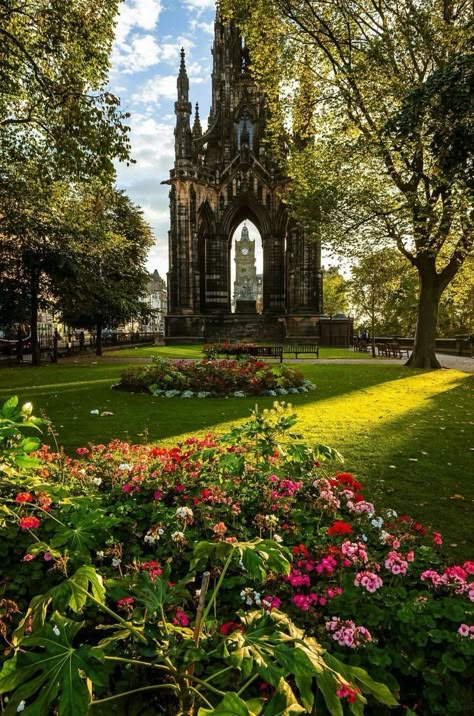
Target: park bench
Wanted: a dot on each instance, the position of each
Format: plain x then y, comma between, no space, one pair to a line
304,348
253,351
396,351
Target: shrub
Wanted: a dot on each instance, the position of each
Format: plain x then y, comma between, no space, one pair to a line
236,574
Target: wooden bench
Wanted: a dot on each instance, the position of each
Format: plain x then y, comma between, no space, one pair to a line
396,351
304,348
252,351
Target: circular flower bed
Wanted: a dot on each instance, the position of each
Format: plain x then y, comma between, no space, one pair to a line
213,378
242,574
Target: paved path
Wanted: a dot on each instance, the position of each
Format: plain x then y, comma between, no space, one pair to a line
462,363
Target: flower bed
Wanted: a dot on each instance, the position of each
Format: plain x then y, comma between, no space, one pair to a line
213,378
243,574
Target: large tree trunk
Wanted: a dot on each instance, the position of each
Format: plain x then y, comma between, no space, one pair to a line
35,346
98,344
424,352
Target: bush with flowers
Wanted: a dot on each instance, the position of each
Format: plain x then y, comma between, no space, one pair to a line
213,378
238,574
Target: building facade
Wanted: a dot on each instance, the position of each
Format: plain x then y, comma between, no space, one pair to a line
220,178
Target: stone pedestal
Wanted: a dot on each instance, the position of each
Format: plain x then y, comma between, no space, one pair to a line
247,307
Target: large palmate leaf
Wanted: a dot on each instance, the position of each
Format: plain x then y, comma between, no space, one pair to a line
233,705
83,531
49,672
257,557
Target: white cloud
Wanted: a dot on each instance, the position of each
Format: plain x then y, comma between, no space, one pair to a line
156,89
137,54
199,5
143,14
207,27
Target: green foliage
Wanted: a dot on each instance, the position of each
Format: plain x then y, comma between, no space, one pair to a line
15,447
384,95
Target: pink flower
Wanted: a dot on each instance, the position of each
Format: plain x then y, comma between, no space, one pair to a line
437,539
28,557
125,602
157,495
47,556
82,451
219,529
464,630
270,602
368,580
180,619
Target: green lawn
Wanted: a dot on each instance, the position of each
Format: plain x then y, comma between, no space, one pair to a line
407,435
196,352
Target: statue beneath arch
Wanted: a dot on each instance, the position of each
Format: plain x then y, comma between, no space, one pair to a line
220,178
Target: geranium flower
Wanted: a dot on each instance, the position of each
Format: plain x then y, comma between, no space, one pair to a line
339,528
229,627
24,497
125,602
29,523
180,618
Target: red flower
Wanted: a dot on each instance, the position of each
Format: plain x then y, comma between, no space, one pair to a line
229,627
339,528
29,523
125,602
24,497
300,550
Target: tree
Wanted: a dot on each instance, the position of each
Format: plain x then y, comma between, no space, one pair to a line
53,71
37,247
391,153
108,279
335,292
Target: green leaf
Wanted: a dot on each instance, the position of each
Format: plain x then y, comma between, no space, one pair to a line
74,591
365,682
30,444
453,663
50,669
9,407
283,702
327,685
231,705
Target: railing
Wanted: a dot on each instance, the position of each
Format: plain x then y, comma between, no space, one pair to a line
75,346
460,345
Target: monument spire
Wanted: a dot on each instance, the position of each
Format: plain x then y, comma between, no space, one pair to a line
183,110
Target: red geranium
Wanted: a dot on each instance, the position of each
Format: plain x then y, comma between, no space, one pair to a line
339,528
24,497
229,627
29,523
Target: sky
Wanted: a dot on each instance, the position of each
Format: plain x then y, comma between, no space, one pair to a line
145,65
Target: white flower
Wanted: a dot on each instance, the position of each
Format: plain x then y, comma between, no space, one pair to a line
124,466
56,630
184,513
97,480
392,513
161,531
21,707
383,536
178,536
377,522
116,562
278,539
151,538
94,412
100,554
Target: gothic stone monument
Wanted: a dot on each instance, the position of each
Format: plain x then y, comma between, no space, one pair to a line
220,178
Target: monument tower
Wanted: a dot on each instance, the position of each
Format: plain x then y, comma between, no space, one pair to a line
221,177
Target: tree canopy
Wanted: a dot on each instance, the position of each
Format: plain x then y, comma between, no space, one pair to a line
372,105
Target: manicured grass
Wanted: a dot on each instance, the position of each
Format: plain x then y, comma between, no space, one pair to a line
407,435
195,352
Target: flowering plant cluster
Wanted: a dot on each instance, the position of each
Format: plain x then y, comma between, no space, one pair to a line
213,378
239,574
